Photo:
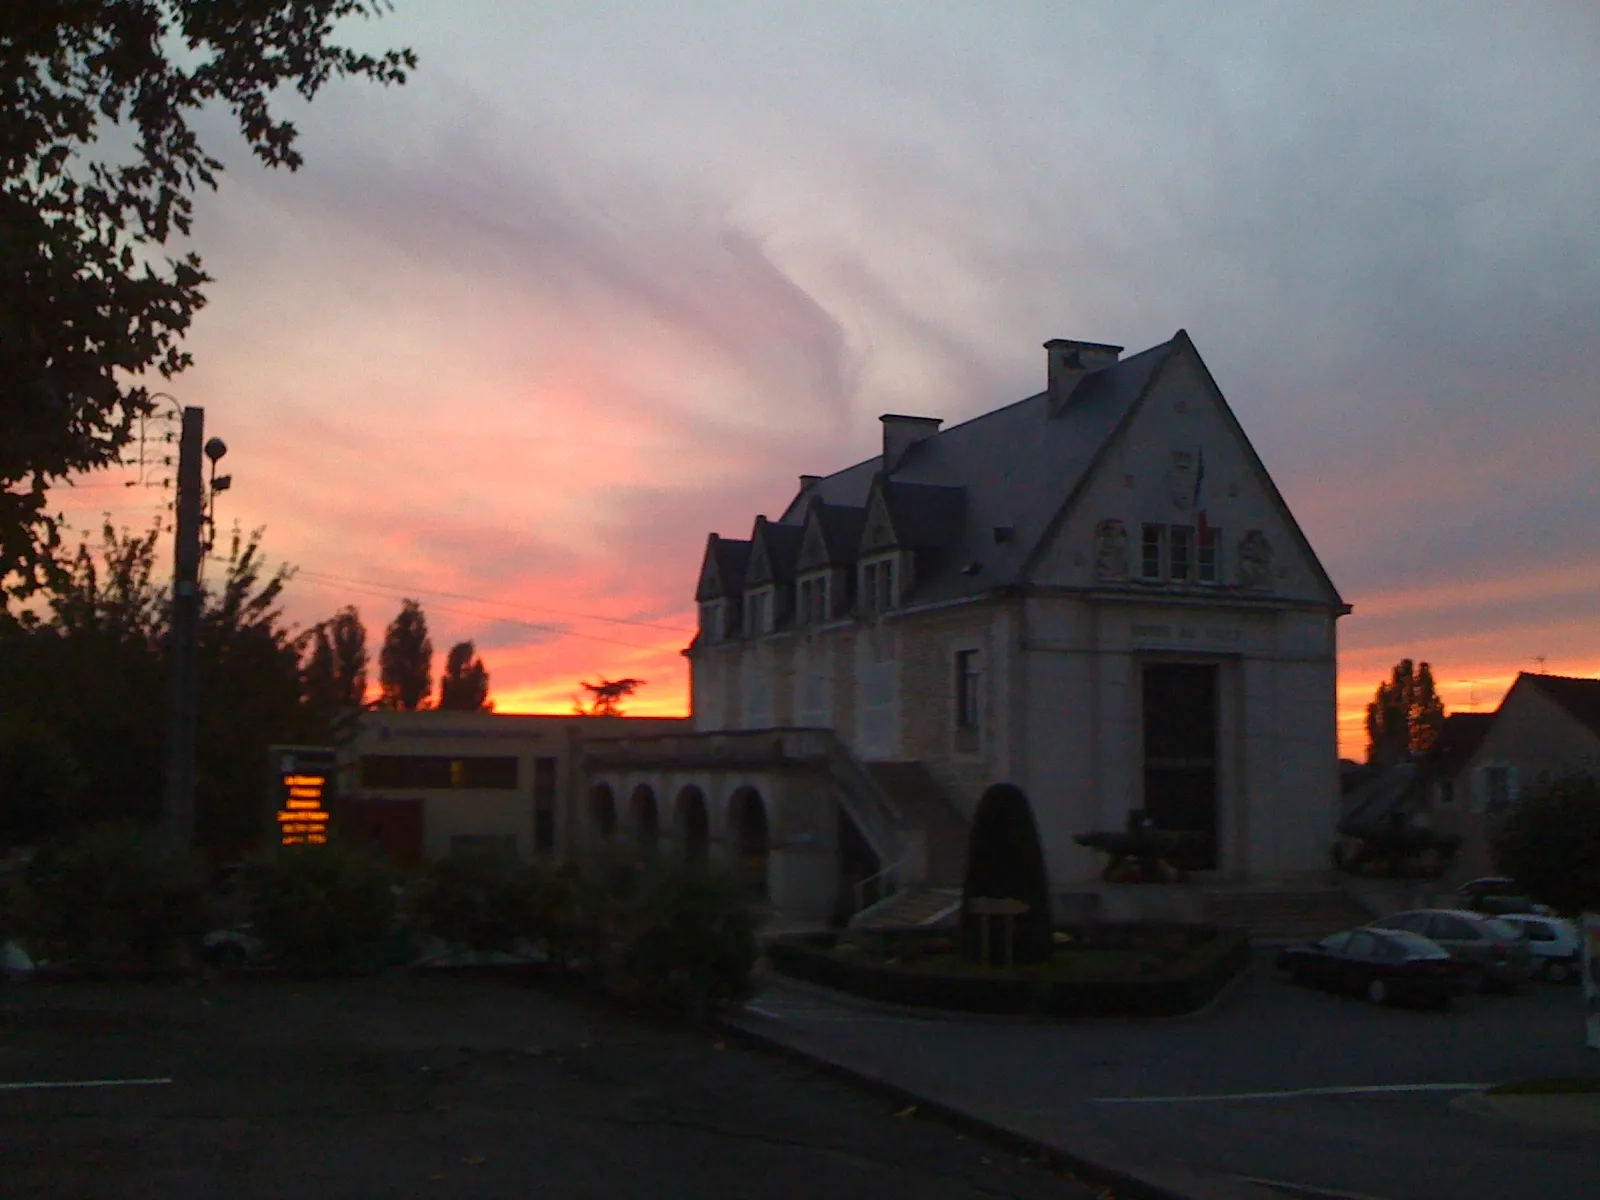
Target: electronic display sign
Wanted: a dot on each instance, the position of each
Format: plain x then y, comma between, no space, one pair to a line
303,785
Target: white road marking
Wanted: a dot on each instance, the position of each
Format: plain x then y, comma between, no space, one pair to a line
1318,1091
80,1083
1305,1190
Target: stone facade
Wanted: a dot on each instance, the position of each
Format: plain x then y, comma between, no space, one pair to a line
1097,594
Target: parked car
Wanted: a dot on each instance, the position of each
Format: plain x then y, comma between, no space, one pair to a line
1557,953
1494,951
1498,895
1386,966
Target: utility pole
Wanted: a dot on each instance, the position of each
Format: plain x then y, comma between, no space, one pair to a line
183,648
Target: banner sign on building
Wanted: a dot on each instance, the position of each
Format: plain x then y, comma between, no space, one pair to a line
302,789
1591,977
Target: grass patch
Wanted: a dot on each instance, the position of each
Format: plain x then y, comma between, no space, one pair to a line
1548,1087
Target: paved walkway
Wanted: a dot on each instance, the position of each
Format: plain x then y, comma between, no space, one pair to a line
1311,1093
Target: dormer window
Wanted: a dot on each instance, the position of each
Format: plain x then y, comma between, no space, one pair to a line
711,623
878,592
812,600
758,612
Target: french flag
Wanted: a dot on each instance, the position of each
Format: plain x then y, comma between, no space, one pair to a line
1200,496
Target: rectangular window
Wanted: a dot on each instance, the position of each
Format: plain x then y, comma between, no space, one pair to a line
711,621
802,611
483,845
1150,548
969,678
1181,552
438,771
544,804
1210,552
877,586
813,600
758,613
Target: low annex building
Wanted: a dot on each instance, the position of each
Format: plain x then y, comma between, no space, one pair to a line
1096,593
428,784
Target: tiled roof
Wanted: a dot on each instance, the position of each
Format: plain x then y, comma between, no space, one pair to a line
1580,697
1016,466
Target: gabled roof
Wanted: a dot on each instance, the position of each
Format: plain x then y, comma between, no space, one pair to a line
1457,741
1018,470
1580,697
722,570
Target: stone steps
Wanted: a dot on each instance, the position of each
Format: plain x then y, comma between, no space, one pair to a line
909,908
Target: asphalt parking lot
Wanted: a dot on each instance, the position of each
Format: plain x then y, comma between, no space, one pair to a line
1273,1082
400,1086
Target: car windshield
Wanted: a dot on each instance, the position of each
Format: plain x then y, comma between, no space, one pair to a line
1508,930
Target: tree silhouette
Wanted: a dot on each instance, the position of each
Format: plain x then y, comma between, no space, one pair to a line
349,643
1405,715
99,166
464,686
605,697
91,673
405,664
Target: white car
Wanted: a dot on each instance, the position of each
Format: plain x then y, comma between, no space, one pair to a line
1557,953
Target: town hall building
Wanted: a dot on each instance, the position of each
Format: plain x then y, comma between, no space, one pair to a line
1096,594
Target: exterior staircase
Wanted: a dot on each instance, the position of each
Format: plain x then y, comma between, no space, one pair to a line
1271,915
912,907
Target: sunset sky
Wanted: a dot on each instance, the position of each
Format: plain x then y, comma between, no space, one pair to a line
606,277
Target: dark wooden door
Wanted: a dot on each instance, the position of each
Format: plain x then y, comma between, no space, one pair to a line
1180,755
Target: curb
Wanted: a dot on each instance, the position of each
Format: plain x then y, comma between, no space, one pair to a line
1156,1181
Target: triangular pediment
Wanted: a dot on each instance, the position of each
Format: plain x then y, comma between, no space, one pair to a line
813,545
879,531
710,585
760,569
1180,460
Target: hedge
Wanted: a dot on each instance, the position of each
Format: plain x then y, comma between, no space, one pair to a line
1181,984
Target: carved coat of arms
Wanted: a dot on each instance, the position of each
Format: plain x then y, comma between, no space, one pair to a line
1110,550
1255,560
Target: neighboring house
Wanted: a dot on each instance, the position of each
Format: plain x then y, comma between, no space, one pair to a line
1546,726
428,784
1096,593
1442,769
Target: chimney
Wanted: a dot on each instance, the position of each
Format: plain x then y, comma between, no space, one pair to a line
807,482
1069,362
902,433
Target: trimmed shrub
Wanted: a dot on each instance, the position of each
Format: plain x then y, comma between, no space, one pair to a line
692,944
490,902
1005,862
1186,967
324,908
110,897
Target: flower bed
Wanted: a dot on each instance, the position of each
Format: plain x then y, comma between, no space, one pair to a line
1099,970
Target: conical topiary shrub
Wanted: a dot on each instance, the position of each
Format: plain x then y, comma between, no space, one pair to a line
1005,862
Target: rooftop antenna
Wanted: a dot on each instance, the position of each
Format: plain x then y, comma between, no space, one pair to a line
1472,693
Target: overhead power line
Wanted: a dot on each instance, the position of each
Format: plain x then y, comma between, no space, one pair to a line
392,593
413,589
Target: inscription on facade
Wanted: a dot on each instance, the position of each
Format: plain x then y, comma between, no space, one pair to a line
1188,633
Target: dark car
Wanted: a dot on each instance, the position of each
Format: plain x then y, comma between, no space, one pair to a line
1386,966
1497,894
1495,952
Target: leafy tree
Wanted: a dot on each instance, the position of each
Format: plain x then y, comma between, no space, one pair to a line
93,670
335,672
99,166
405,664
349,638
464,686
1405,716
605,697
1549,842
